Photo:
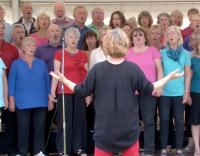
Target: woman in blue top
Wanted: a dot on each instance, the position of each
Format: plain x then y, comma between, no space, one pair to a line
28,90
195,90
176,92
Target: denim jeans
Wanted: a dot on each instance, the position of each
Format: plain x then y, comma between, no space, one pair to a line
36,117
166,102
147,106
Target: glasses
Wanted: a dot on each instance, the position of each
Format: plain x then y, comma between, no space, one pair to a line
138,34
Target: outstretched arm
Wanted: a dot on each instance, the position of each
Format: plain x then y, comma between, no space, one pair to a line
157,85
60,77
160,83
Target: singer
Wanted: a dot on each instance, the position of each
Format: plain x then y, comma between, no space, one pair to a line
75,68
114,83
28,96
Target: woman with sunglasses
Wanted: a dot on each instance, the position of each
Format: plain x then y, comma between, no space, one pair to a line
148,59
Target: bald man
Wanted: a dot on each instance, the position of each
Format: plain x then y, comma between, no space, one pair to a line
60,16
47,50
27,20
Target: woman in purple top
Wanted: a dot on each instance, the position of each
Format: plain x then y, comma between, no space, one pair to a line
148,59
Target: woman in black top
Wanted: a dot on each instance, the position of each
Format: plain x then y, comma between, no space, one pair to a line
113,84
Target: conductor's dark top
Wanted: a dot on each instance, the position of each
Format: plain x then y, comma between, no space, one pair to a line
115,102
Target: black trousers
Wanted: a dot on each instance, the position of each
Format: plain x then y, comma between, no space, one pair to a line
147,106
34,118
76,132
10,119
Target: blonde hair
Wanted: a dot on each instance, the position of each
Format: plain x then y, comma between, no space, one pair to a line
102,33
28,39
179,14
180,42
155,26
116,43
37,26
132,21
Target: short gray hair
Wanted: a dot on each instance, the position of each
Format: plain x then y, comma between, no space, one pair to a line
72,30
17,25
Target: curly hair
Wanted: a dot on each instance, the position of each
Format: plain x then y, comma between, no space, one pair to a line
116,43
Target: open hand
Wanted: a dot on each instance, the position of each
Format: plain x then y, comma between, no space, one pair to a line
175,74
57,75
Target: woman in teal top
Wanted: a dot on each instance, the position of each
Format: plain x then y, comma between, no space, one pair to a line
195,90
175,92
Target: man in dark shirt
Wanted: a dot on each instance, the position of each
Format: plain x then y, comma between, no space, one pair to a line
8,54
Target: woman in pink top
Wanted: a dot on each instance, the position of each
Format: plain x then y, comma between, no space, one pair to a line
42,23
149,60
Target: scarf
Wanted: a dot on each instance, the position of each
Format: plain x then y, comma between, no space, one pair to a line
174,54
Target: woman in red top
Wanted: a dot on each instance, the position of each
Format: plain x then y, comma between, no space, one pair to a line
75,67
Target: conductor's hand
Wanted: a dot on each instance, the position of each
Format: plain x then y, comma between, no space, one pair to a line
175,74
57,75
